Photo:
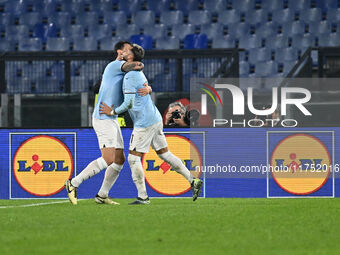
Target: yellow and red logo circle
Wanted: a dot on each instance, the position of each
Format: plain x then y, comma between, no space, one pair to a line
42,164
161,177
300,164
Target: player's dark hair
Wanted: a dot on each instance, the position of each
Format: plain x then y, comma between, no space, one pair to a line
119,46
138,52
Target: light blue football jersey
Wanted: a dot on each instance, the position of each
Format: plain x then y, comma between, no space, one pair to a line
143,113
110,91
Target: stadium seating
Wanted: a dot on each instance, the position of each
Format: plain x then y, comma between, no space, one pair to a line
7,45
212,30
244,5
244,69
277,41
98,32
108,43
215,6
32,71
271,31
333,15
143,40
143,18
310,15
329,40
322,27
86,44
286,54
227,17
223,42
199,17
299,5
267,29
168,43
256,16
43,31
272,5
30,18
154,67
266,69
170,18
287,66
293,28
30,44
250,42
284,15
181,30
61,19
208,67
157,31
186,6
57,44
48,85
196,41
327,5
303,41
158,6
79,84
87,18
73,31
49,8
125,31
114,18
7,19
163,82
129,7
17,32
259,55
22,85
238,30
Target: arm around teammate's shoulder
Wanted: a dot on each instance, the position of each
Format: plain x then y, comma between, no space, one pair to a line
132,66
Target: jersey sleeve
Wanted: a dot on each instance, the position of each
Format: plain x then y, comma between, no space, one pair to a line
130,83
127,104
116,67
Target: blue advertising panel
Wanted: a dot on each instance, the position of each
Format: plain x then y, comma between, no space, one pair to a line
233,162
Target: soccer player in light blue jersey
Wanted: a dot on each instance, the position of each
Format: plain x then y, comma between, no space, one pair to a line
107,129
147,129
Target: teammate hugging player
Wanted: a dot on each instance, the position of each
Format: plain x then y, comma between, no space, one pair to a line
107,128
147,129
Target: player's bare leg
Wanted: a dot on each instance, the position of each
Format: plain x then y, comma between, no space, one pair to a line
138,178
111,175
179,167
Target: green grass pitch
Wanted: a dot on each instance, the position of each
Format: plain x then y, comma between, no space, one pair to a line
172,226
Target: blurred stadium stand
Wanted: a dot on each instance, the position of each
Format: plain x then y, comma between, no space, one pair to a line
271,35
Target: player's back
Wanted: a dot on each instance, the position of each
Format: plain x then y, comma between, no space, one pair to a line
143,113
110,91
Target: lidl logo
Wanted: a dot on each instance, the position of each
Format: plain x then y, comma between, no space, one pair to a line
41,165
300,164
161,177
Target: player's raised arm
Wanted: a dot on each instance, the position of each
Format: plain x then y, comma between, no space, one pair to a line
132,66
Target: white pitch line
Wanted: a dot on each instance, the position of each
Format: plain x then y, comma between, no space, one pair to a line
36,204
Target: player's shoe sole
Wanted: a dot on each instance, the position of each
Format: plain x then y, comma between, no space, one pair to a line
106,200
196,186
71,192
140,201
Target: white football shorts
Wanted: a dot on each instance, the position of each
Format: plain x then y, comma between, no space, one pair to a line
108,133
142,138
